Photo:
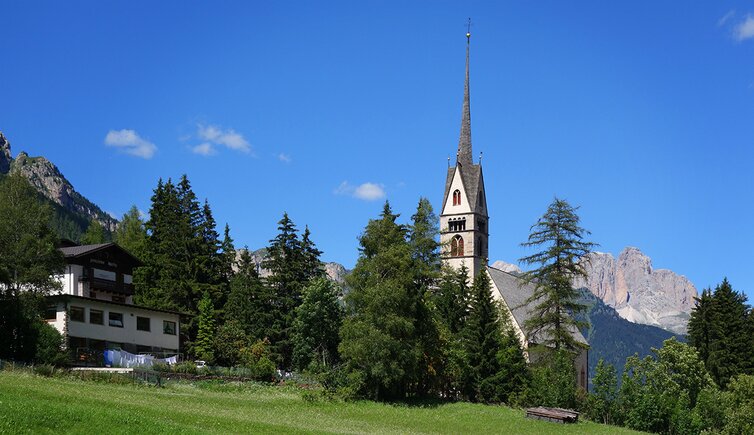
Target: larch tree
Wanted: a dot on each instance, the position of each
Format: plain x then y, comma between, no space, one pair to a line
131,234
555,301
315,329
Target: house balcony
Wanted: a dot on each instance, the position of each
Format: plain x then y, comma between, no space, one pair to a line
99,284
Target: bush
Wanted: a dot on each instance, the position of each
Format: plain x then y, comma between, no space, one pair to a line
188,367
161,367
49,346
46,370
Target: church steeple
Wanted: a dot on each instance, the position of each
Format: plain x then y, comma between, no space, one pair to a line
464,141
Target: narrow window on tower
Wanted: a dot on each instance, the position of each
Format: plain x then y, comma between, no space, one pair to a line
456,246
457,197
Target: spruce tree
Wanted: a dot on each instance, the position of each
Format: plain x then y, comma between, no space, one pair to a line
452,297
483,340
311,265
701,325
378,339
205,337
555,301
729,350
249,302
316,326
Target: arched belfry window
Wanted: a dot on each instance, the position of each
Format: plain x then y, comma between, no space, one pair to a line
456,246
457,197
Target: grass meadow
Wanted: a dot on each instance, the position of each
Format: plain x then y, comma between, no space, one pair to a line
35,404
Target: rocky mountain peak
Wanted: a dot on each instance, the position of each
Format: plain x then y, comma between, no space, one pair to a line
637,291
5,156
507,267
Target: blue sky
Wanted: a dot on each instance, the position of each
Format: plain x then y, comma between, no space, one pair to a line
641,113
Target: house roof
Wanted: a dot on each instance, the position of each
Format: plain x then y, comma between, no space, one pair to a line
516,292
83,250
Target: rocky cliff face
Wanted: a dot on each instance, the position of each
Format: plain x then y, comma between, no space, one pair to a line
5,157
638,292
335,271
507,267
50,182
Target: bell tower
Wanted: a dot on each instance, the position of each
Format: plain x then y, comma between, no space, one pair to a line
464,229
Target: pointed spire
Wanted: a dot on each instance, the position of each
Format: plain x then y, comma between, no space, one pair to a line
464,141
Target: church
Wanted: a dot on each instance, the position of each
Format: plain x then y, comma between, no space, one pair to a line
464,235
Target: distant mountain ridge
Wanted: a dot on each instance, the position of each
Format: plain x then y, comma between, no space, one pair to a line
71,207
638,292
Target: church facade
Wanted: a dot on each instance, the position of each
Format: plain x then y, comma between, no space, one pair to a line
464,236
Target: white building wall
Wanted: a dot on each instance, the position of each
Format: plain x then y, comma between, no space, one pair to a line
128,334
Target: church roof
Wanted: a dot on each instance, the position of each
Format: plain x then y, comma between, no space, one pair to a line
516,292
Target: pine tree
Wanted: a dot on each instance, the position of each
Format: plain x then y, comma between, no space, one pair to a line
228,258
95,234
559,263
205,337
315,328
483,340
131,233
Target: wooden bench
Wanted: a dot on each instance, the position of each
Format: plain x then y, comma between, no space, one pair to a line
556,415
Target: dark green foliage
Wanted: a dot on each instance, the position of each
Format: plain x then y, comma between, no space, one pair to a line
513,375
452,297
28,247
558,233
249,302
720,329
229,341
49,345
378,338
739,413
95,234
205,337
182,255
315,328
131,234
292,263
483,340
19,319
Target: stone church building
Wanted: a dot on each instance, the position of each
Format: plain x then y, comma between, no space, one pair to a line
464,234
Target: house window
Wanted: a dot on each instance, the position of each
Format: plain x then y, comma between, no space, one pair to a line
168,327
457,197
76,314
456,246
119,299
142,323
115,319
96,317
51,312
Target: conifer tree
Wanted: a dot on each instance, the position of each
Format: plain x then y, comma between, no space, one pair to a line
378,339
729,351
131,234
205,337
452,298
483,340
555,300
700,326
250,302
311,265
228,257
316,326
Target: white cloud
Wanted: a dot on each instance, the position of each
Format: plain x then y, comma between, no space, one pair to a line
228,137
285,158
724,19
129,142
366,191
204,149
745,29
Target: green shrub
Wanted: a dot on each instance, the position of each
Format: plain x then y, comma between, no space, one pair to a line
161,367
49,346
46,370
185,367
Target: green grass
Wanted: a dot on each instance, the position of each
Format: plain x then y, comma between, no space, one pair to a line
35,404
